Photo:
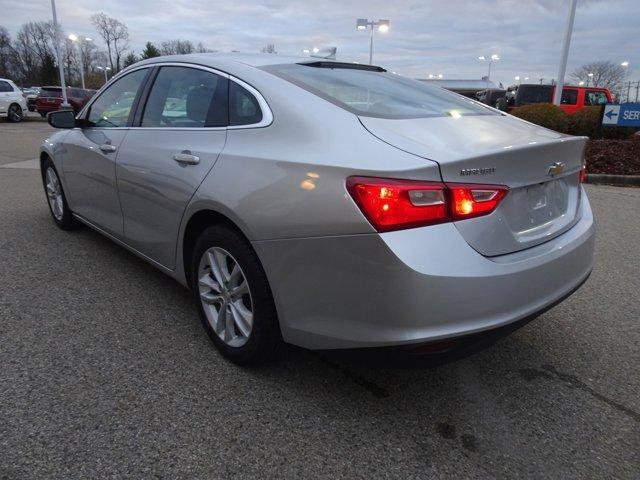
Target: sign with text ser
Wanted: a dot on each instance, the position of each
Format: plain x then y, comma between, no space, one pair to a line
622,115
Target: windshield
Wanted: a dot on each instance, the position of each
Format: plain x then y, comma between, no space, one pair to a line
378,94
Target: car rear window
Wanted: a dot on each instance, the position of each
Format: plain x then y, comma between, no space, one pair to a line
51,92
372,92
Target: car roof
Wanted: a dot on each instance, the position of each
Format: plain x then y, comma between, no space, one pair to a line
218,59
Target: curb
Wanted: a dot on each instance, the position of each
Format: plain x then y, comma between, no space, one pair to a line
601,178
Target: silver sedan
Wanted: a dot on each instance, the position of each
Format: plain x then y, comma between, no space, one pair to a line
325,204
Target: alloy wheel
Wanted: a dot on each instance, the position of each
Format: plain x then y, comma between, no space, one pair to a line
225,296
54,193
15,113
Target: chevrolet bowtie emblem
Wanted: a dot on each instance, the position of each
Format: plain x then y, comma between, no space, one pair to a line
556,169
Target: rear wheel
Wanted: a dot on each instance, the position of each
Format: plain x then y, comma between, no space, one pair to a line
233,297
15,113
58,206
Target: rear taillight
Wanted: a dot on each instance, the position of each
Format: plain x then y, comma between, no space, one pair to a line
391,204
468,200
583,174
395,204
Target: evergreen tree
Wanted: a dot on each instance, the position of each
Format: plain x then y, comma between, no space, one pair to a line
49,71
149,51
130,59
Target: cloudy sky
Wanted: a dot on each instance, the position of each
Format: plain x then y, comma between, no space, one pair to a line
426,36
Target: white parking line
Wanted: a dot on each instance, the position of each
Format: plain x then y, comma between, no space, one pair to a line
27,164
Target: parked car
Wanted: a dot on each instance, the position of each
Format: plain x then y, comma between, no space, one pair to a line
12,104
50,98
493,97
31,94
573,98
329,205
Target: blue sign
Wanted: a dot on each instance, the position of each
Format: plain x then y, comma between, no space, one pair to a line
622,115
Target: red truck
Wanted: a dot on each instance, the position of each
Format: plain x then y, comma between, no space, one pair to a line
50,98
573,98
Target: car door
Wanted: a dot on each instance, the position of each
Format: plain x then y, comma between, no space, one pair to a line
89,162
569,100
179,133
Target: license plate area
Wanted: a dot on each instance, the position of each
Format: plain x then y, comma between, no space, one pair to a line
545,202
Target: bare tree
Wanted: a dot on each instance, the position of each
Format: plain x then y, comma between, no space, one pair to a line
115,35
605,74
7,55
200,48
176,47
270,48
33,47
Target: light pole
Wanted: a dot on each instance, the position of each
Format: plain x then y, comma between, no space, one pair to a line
589,78
105,70
493,58
565,53
383,27
65,103
74,38
625,65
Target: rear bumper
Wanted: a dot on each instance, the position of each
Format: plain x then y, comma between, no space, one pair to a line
417,285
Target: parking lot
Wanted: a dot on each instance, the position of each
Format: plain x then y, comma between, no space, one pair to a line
105,372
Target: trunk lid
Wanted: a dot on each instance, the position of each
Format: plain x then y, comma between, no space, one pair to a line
541,168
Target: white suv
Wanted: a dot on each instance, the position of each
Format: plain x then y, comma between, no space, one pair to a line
12,104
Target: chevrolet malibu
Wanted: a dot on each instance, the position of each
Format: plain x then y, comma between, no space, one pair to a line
324,204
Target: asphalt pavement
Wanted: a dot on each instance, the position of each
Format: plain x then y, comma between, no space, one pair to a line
105,372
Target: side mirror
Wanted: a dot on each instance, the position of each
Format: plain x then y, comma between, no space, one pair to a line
62,119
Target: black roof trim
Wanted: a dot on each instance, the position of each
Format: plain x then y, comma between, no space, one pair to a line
345,65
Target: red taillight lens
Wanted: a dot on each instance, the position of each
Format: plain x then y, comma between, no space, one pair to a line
583,174
391,204
468,201
396,204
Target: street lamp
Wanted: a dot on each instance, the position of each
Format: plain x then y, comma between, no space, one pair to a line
105,69
74,38
590,75
493,58
581,83
65,102
382,25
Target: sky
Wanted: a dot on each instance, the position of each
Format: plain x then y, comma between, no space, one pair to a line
425,37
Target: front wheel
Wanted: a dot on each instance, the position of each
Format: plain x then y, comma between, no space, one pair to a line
56,199
15,113
233,297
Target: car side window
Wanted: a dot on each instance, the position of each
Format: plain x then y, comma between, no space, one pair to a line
244,108
569,96
113,106
183,97
592,97
5,87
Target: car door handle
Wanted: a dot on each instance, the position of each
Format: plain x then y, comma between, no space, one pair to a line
106,148
186,158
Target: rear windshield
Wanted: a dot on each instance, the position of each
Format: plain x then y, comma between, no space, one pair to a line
378,94
51,92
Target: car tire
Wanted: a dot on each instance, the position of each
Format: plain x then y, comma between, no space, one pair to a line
15,113
501,104
242,325
56,199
